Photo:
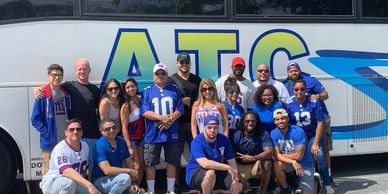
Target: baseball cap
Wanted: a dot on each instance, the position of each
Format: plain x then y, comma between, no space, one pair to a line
293,65
280,113
160,66
209,118
183,56
238,61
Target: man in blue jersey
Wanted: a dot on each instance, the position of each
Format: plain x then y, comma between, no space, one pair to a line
308,114
161,105
110,151
254,149
290,153
206,170
314,90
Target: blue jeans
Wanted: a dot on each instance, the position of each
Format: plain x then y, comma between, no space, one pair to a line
91,143
113,184
322,164
64,185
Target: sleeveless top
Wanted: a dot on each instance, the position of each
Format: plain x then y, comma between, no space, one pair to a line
202,113
114,114
136,125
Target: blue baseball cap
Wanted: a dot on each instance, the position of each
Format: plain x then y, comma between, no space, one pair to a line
210,118
293,65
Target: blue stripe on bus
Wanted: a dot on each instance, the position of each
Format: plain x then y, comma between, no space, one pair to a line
352,54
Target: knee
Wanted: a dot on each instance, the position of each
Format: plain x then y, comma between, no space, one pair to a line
68,185
124,179
210,176
267,165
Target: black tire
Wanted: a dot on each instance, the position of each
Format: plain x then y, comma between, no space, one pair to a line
7,169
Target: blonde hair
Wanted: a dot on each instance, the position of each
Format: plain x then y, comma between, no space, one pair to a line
210,83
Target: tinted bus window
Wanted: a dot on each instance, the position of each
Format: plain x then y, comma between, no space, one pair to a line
11,9
374,8
297,7
154,7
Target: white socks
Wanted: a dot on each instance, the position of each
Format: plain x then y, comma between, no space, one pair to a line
170,184
151,185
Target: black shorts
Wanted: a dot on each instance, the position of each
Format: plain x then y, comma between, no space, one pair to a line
223,179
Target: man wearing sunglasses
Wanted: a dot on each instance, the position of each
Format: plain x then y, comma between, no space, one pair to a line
68,164
50,113
161,105
263,78
246,87
109,153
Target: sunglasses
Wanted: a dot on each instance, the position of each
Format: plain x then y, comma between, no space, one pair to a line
263,70
71,130
107,129
210,89
234,92
212,126
160,73
250,121
300,89
114,88
56,75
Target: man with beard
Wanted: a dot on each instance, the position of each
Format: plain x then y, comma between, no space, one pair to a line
314,90
263,78
206,170
188,85
246,87
290,143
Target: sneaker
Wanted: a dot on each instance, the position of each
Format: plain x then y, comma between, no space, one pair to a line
170,192
279,190
329,189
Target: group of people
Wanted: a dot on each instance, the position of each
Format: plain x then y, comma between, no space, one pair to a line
236,130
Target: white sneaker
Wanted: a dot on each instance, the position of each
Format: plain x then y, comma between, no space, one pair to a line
329,189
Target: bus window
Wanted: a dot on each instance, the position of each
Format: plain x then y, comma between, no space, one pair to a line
374,8
154,7
301,7
11,9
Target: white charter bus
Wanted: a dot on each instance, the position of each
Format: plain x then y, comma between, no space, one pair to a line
343,43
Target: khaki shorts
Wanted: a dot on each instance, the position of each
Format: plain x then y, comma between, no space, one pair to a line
248,171
327,135
45,161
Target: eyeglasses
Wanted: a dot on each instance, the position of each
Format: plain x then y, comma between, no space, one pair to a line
113,88
215,127
107,129
160,73
210,89
299,89
56,75
250,121
71,130
234,92
263,70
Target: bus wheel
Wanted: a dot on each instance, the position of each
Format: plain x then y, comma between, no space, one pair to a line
7,169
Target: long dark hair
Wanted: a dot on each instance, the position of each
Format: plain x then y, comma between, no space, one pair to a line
241,126
260,91
105,89
128,98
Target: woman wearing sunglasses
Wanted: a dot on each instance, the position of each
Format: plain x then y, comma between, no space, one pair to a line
208,103
111,101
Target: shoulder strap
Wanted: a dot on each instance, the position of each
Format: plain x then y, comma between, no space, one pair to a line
179,84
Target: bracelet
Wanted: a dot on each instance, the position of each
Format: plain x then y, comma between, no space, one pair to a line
294,162
253,158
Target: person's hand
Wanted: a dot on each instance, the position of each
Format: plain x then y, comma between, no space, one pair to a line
165,119
298,168
245,158
134,173
38,92
314,150
234,173
92,189
186,101
314,96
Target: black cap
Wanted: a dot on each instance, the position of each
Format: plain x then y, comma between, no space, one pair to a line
183,56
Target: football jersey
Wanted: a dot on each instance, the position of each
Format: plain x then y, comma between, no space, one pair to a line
234,116
162,101
305,115
202,113
63,157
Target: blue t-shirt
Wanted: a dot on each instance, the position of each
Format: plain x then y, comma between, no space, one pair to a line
234,116
103,151
266,115
313,86
216,151
250,145
287,143
305,115
162,101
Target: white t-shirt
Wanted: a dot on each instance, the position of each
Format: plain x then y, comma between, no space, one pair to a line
63,157
284,96
246,88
